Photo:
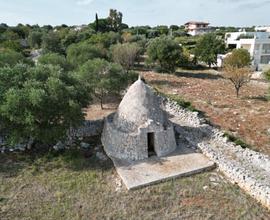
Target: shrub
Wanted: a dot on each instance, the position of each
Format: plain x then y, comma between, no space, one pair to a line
105,39
35,39
267,74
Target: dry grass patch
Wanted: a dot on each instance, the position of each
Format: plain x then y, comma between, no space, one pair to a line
70,186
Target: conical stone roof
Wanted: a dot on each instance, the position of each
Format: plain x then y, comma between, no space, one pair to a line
139,107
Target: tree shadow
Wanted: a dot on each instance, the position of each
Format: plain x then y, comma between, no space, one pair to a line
166,83
192,136
36,161
258,98
198,75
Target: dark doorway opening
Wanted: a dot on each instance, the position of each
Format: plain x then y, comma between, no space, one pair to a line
151,144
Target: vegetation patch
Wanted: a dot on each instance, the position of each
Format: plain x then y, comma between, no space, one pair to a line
69,186
237,140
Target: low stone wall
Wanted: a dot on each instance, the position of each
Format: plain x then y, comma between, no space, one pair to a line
88,129
245,167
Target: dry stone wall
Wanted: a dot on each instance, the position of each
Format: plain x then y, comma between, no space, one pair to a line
245,167
87,129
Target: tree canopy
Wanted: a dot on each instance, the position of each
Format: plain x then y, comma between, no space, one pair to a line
40,102
236,68
208,47
78,54
104,77
166,52
11,58
125,54
54,59
51,42
238,58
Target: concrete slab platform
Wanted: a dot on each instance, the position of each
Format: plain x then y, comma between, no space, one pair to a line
183,162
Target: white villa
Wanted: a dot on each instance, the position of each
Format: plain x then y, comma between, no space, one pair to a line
257,43
265,28
197,28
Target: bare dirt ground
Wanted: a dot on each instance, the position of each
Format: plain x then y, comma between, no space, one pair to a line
94,112
247,117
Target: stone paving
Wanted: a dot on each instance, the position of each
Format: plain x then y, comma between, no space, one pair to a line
183,162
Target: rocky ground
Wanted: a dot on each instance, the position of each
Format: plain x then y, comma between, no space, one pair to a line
249,169
246,117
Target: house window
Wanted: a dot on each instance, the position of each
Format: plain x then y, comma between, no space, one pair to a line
265,59
266,48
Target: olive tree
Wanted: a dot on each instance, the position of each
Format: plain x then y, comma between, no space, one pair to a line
35,39
78,54
238,58
54,59
51,42
40,102
104,77
11,58
208,47
236,68
166,52
125,54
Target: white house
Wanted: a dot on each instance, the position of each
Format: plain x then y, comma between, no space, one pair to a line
265,28
257,43
197,28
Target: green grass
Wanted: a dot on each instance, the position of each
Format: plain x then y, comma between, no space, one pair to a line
237,140
70,186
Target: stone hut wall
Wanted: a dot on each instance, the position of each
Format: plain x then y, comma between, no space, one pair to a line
165,141
121,145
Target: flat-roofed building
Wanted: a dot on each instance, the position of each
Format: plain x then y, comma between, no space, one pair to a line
257,44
